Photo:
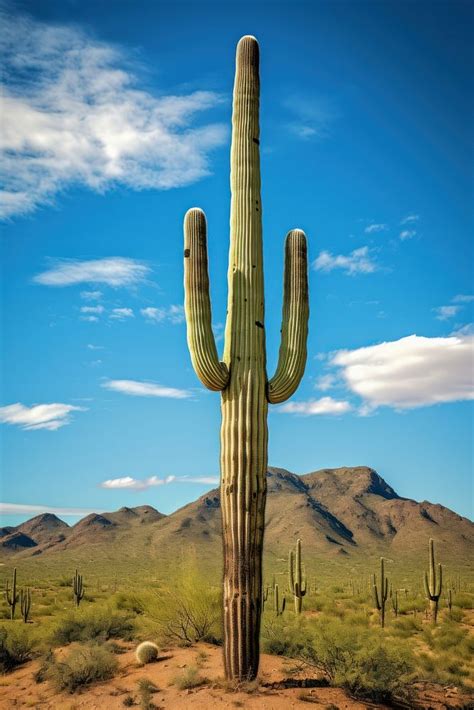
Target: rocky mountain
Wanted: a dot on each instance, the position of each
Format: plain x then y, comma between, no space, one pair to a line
345,514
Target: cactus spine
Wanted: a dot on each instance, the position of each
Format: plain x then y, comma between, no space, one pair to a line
25,603
12,596
241,377
78,588
276,602
380,599
433,584
295,577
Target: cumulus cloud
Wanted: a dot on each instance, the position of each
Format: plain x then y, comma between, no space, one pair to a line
374,228
26,509
414,371
114,271
446,312
358,261
145,389
172,314
74,114
325,405
122,313
39,416
140,484
325,382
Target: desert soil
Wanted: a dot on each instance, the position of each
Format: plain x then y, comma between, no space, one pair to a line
19,689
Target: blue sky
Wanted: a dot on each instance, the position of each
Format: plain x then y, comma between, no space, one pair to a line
116,121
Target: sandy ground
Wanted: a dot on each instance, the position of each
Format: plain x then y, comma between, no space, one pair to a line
19,690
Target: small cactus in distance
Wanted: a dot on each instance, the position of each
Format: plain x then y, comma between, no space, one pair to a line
12,596
146,652
394,600
25,603
433,584
295,577
276,601
380,599
78,588
450,603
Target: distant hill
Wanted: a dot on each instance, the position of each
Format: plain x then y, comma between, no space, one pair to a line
345,516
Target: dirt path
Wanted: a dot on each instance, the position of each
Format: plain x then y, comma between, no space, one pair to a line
19,689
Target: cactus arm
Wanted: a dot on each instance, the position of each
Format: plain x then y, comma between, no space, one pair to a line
291,577
294,328
376,597
426,586
440,581
202,347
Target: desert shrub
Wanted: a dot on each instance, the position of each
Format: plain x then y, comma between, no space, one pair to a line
83,666
190,678
146,689
146,652
377,674
463,600
129,602
281,639
16,647
405,626
93,625
188,612
42,673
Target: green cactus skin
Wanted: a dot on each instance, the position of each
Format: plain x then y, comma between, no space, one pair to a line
78,588
380,599
241,377
394,600
433,584
12,596
295,577
276,602
25,603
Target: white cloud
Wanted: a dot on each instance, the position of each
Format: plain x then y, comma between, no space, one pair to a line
90,319
407,234
446,312
91,295
463,298
26,509
312,117
374,228
145,389
90,346
140,484
414,371
410,219
325,382
122,313
74,113
92,309
39,416
114,271
173,314
358,261
325,405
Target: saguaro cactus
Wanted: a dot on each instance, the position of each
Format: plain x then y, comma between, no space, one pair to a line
276,601
78,588
241,377
25,603
380,599
12,595
433,584
295,577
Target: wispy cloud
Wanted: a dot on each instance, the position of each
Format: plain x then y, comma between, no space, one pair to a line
74,113
414,371
312,118
463,298
407,234
141,484
114,271
92,309
410,219
26,509
358,261
121,313
91,346
374,228
91,295
145,389
325,405
39,416
172,314
446,312
325,382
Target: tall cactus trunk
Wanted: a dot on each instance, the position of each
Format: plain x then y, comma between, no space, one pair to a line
241,377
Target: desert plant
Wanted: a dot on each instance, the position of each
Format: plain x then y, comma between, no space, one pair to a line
78,588
276,602
95,625
12,596
433,584
82,666
295,577
146,652
241,377
16,648
189,678
394,600
25,603
380,598
450,603
146,690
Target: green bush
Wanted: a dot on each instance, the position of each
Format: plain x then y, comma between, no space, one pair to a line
16,647
377,674
190,678
93,624
83,666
